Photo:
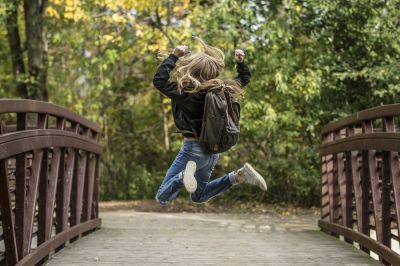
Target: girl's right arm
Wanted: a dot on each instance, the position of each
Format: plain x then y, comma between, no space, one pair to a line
161,78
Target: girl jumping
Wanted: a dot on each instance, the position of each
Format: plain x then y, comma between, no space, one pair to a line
197,73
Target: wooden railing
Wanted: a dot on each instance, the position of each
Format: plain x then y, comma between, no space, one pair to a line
360,184
49,179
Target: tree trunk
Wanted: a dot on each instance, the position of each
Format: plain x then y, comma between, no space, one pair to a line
14,41
165,115
37,48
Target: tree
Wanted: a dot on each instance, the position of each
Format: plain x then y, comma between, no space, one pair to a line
33,83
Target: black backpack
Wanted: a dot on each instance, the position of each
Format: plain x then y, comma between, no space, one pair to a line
220,129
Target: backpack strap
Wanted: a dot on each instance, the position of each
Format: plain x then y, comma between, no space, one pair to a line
229,101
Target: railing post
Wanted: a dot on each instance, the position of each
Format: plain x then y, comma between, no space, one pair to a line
365,181
95,212
390,172
20,193
337,167
7,216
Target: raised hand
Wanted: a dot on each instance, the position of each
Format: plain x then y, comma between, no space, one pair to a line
181,50
239,55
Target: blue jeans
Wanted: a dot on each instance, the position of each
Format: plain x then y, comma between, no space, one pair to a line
205,162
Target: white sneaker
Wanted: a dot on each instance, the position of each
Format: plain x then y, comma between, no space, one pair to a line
189,180
252,177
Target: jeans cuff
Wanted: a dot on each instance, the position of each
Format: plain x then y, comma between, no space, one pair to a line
232,178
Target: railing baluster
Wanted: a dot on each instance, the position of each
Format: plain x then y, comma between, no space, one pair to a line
64,192
390,169
42,124
365,181
95,212
7,216
49,198
371,170
324,189
345,181
77,195
89,182
335,182
31,196
341,178
20,197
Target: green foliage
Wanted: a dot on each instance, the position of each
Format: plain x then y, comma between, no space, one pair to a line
311,61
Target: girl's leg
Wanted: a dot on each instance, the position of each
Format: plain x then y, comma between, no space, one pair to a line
172,181
206,190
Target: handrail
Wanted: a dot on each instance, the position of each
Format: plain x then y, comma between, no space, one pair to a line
32,106
360,168
54,166
368,114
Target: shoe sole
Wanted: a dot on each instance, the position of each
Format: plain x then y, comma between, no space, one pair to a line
260,180
189,180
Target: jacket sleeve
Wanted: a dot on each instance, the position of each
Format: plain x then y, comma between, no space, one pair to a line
243,73
161,78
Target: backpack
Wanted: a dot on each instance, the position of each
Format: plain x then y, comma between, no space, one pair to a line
220,129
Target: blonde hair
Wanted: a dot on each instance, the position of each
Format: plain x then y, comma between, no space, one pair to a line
199,71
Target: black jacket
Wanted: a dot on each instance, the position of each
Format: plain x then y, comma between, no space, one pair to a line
188,108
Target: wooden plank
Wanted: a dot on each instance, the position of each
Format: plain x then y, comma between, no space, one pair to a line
44,249
31,197
64,192
96,194
389,165
48,202
373,141
7,216
324,190
77,190
20,196
49,181
127,237
342,184
43,191
31,106
365,184
371,171
388,254
335,183
87,214
28,141
329,167
345,182
43,182
364,115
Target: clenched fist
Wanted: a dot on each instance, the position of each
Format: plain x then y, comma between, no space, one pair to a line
239,55
181,50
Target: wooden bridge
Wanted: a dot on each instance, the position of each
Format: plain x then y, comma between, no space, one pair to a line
49,179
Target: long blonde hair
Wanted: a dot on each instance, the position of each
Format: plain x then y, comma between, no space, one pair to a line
199,71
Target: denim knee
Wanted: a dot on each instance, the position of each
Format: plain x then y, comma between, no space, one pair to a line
198,198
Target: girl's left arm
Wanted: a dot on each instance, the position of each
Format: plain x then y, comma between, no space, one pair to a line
161,78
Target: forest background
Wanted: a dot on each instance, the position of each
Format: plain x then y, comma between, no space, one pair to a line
311,62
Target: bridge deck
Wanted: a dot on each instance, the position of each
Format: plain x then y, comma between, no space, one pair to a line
136,238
